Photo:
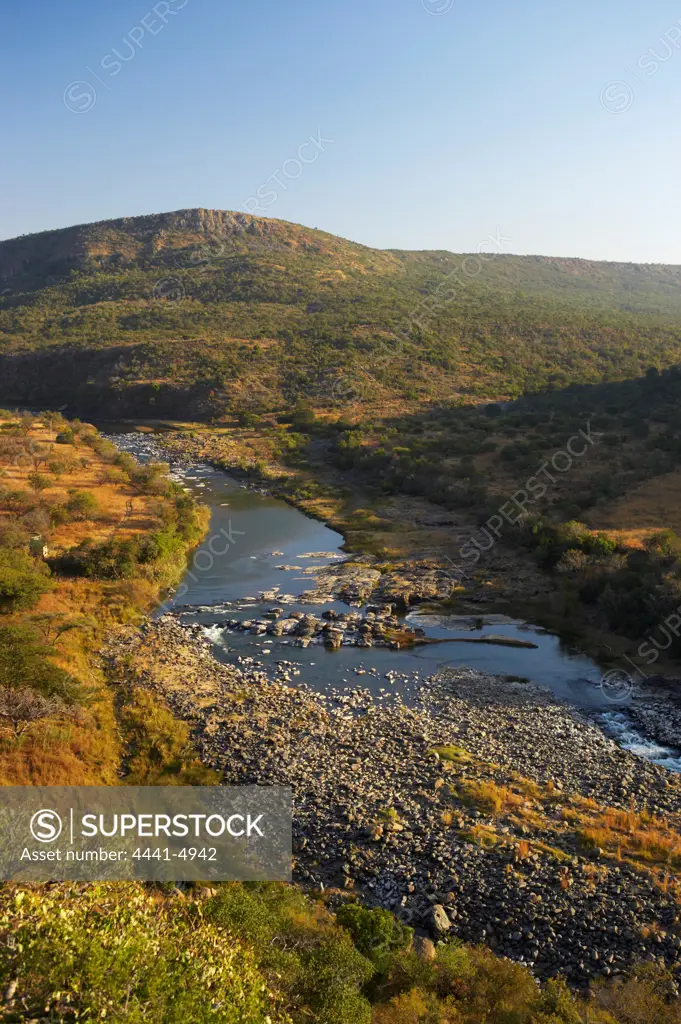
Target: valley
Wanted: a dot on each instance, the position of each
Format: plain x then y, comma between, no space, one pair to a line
397,529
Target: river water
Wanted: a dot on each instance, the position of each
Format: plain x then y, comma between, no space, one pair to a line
236,574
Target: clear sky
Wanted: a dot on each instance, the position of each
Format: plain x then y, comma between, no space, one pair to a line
451,120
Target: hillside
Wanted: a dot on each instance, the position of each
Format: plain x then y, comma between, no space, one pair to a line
111,536
204,313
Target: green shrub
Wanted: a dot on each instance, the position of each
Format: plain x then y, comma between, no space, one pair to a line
151,478
309,959
24,662
59,515
57,467
112,560
88,954
38,482
377,934
23,580
82,505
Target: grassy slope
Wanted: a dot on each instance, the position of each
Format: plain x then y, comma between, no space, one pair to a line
199,312
86,752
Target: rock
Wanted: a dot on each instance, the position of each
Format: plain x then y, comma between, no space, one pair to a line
358,755
424,948
438,921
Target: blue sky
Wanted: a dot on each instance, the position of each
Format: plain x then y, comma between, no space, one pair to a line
555,125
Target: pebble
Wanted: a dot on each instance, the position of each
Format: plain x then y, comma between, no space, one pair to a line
369,797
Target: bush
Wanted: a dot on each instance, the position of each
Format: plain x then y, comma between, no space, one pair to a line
23,580
125,461
24,662
66,437
38,482
112,475
151,479
13,534
308,958
19,501
57,467
554,540
376,933
26,422
21,707
665,544
642,999
59,515
248,419
88,954
112,560
82,505
37,521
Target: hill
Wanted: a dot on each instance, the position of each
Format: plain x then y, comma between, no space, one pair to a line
203,313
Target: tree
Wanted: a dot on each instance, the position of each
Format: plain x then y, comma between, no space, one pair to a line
57,467
38,482
14,450
13,535
37,520
24,663
303,415
82,505
53,625
26,422
53,420
39,454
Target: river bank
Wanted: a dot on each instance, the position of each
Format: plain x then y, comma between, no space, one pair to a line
635,707
470,803
403,531
420,808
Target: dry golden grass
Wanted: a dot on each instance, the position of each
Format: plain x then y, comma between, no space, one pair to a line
490,797
650,844
654,505
523,849
625,832
113,498
83,752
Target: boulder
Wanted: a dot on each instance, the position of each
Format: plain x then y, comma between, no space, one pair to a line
438,922
424,948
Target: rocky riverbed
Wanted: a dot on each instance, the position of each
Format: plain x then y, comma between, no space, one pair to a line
377,627
656,709
456,811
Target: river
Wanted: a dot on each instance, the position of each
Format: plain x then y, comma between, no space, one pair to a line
236,575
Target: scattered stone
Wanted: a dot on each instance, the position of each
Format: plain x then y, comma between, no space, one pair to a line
369,798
